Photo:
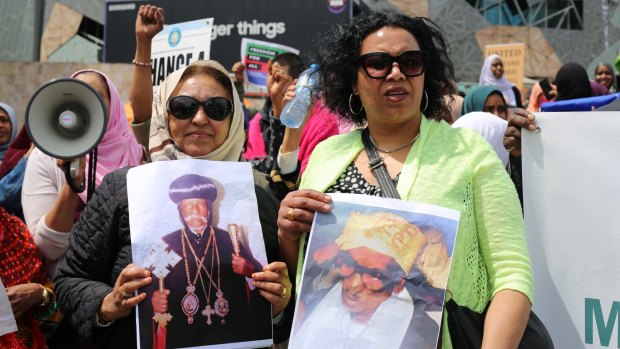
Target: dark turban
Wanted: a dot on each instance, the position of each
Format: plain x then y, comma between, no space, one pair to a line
192,186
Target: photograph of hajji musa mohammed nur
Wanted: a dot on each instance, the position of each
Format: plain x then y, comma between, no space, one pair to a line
206,299
359,296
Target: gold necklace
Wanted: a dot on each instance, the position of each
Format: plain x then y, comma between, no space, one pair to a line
208,310
190,302
221,305
387,151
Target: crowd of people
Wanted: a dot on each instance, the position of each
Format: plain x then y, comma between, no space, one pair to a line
386,85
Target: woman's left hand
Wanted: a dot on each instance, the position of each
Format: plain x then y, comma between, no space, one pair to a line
274,285
24,297
519,119
120,302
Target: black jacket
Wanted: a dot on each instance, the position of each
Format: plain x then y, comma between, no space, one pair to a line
100,247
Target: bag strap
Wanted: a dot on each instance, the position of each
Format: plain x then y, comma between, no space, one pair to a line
378,168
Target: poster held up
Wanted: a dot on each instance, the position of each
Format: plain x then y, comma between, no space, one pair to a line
178,45
255,55
181,213
375,275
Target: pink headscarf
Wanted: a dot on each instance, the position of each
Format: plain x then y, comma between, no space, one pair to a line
119,147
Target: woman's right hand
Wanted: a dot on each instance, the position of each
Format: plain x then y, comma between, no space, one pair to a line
149,22
119,303
24,297
520,118
297,212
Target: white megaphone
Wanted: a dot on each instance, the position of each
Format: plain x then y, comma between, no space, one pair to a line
66,119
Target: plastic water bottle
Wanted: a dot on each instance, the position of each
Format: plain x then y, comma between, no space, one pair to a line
294,111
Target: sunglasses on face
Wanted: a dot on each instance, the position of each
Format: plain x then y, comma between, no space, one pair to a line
185,107
378,65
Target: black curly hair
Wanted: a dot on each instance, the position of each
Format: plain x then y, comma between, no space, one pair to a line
339,55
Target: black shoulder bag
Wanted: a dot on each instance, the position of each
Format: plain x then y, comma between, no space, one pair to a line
378,167
466,326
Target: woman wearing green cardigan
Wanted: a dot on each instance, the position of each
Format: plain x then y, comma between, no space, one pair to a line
388,72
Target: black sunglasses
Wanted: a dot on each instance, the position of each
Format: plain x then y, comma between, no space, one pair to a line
185,107
378,65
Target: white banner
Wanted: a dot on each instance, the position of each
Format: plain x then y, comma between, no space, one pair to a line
571,196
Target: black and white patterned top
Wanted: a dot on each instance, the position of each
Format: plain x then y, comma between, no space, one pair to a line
351,181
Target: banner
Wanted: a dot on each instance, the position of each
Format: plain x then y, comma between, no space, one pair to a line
178,45
374,275
195,225
513,56
298,24
571,197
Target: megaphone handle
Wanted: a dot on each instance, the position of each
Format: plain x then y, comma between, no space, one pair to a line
71,170
74,167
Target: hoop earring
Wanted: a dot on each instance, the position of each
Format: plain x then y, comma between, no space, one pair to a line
351,108
426,99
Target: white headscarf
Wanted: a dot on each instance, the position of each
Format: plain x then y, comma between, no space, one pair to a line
13,118
491,127
503,85
161,145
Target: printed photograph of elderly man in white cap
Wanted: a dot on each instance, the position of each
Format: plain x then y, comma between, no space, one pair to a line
375,275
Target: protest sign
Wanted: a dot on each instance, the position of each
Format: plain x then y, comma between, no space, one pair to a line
256,54
178,45
571,196
375,274
191,221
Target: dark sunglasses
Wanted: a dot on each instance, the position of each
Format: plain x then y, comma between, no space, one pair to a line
185,107
378,65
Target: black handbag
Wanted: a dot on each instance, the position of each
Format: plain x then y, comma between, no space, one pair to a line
465,325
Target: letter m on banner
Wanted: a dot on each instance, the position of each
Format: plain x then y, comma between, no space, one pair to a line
594,314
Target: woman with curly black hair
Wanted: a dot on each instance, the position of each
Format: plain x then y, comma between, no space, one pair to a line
388,73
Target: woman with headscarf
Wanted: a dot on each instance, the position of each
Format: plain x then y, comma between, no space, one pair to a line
572,82
492,74
8,127
487,99
50,205
96,282
11,180
604,74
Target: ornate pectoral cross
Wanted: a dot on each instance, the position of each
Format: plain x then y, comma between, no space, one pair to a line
208,311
